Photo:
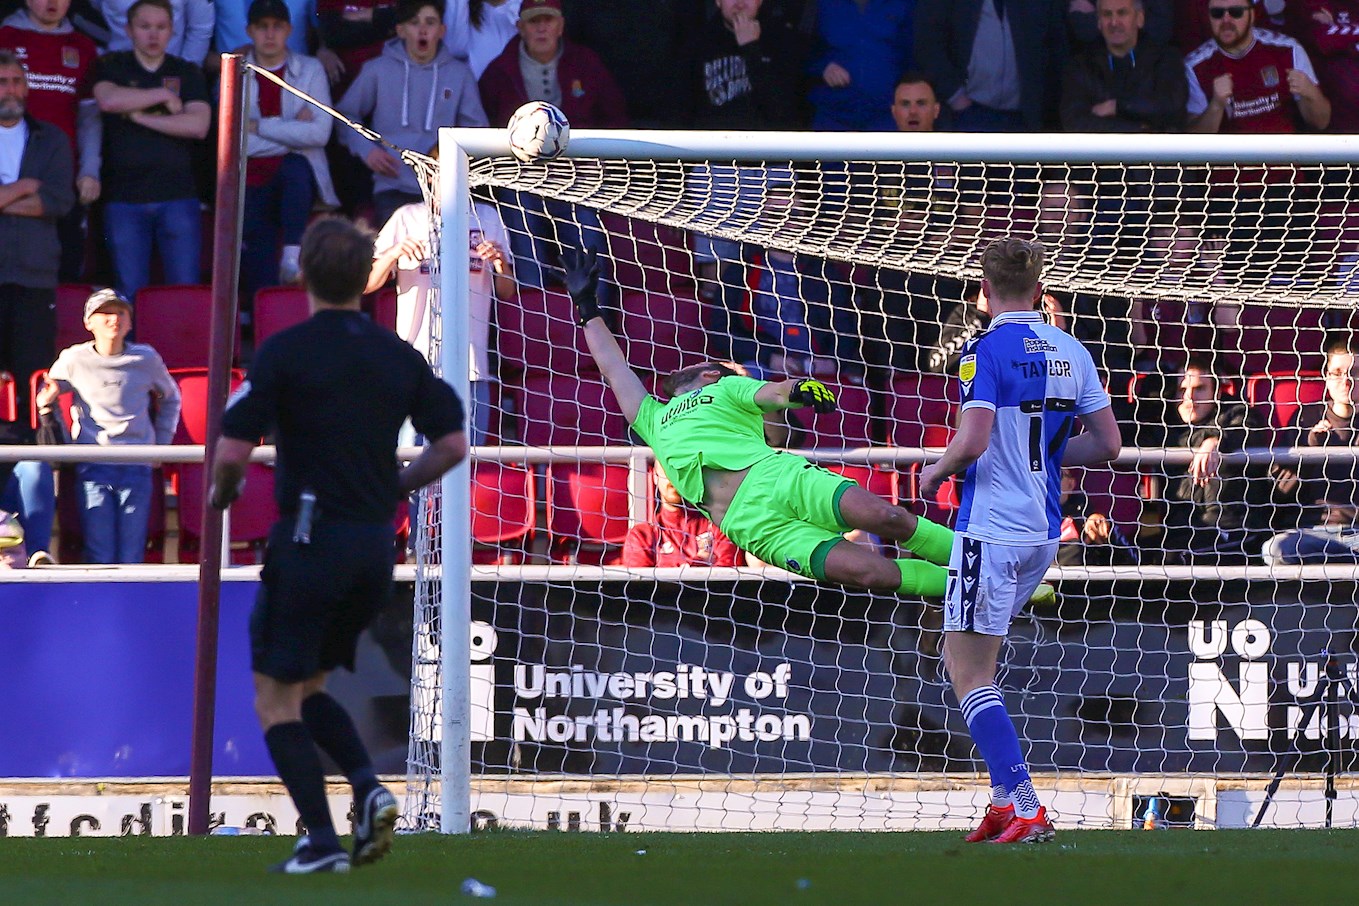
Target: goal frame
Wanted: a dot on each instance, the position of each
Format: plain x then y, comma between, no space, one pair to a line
457,146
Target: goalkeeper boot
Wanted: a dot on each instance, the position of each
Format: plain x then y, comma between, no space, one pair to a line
1044,595
1037,829
306,859
375,826
998,818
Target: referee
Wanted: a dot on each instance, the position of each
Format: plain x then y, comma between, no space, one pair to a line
333,391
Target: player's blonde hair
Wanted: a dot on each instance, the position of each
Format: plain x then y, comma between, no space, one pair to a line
1013,266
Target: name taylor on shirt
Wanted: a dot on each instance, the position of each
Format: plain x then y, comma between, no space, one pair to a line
1044,368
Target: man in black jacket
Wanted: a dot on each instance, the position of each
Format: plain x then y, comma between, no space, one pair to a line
1124,84
37,187
746,71
1211,509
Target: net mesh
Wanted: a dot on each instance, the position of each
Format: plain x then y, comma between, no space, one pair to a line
1187,654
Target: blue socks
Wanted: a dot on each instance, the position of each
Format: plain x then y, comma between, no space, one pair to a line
996,739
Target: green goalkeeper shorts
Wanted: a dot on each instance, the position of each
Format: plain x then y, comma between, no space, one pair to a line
785,509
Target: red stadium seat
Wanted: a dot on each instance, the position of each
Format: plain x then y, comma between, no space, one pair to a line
648,256
251,515
1116,494
919,406
588,511
9,404
384,308
565,409
193,395
504,511
1282,395
537,332
851,424
71,314
65,400
278,308
1280,339
663,332
177,322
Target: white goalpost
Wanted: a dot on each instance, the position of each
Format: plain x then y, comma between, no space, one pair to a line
554,687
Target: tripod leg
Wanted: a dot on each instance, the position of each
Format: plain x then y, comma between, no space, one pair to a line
1304,719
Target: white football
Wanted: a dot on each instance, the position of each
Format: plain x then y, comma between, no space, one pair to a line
538,131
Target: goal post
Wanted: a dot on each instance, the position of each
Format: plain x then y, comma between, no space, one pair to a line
553,687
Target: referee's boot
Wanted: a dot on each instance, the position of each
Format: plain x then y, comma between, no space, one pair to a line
306,860
375,825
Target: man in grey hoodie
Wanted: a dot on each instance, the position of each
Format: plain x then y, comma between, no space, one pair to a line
406,94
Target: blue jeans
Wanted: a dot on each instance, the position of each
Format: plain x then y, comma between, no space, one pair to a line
131,231
115,509
1312,546
980,118
31,493
281,206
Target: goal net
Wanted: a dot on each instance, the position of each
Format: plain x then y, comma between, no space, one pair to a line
1204,634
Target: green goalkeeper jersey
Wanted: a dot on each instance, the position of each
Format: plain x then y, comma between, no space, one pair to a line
715,427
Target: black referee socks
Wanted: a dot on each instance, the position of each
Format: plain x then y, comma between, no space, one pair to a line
333,730
299,767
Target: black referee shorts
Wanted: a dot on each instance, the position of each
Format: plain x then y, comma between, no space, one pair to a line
315,599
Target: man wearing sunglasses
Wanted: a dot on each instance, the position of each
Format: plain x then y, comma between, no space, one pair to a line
1248,80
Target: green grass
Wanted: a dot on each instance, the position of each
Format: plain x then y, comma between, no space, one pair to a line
556,869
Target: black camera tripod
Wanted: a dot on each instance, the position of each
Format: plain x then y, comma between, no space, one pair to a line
1325,699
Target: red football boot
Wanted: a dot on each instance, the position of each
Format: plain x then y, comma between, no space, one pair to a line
1028,830
997,819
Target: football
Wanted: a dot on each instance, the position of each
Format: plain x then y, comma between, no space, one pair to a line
538,131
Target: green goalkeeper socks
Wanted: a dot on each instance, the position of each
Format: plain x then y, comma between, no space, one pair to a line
921,578
931,541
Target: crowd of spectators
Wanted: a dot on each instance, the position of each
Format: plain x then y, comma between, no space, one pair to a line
104,154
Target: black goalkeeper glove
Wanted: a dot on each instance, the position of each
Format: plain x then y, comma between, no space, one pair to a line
813,393
582,282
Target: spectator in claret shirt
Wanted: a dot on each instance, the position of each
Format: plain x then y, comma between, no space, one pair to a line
285,169
1330,31
156,110
60,62
1248,80
677,534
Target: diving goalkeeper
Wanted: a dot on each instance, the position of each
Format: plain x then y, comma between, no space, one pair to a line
786,511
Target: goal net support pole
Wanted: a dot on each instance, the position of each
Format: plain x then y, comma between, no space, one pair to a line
226,268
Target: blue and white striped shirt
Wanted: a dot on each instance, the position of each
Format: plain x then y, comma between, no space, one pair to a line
1036,379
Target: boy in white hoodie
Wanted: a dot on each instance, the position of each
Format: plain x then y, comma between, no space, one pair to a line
415,87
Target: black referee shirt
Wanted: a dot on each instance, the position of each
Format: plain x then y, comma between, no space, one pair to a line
335,391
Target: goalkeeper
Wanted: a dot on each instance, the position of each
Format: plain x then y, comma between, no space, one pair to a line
786,511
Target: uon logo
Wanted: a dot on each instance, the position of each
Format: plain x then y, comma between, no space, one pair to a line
1245,706
481,691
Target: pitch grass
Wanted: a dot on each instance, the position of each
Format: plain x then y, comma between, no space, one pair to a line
557,869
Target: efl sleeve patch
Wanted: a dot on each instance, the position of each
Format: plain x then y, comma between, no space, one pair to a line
967,368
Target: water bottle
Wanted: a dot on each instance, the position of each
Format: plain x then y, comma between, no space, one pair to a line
1151,818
